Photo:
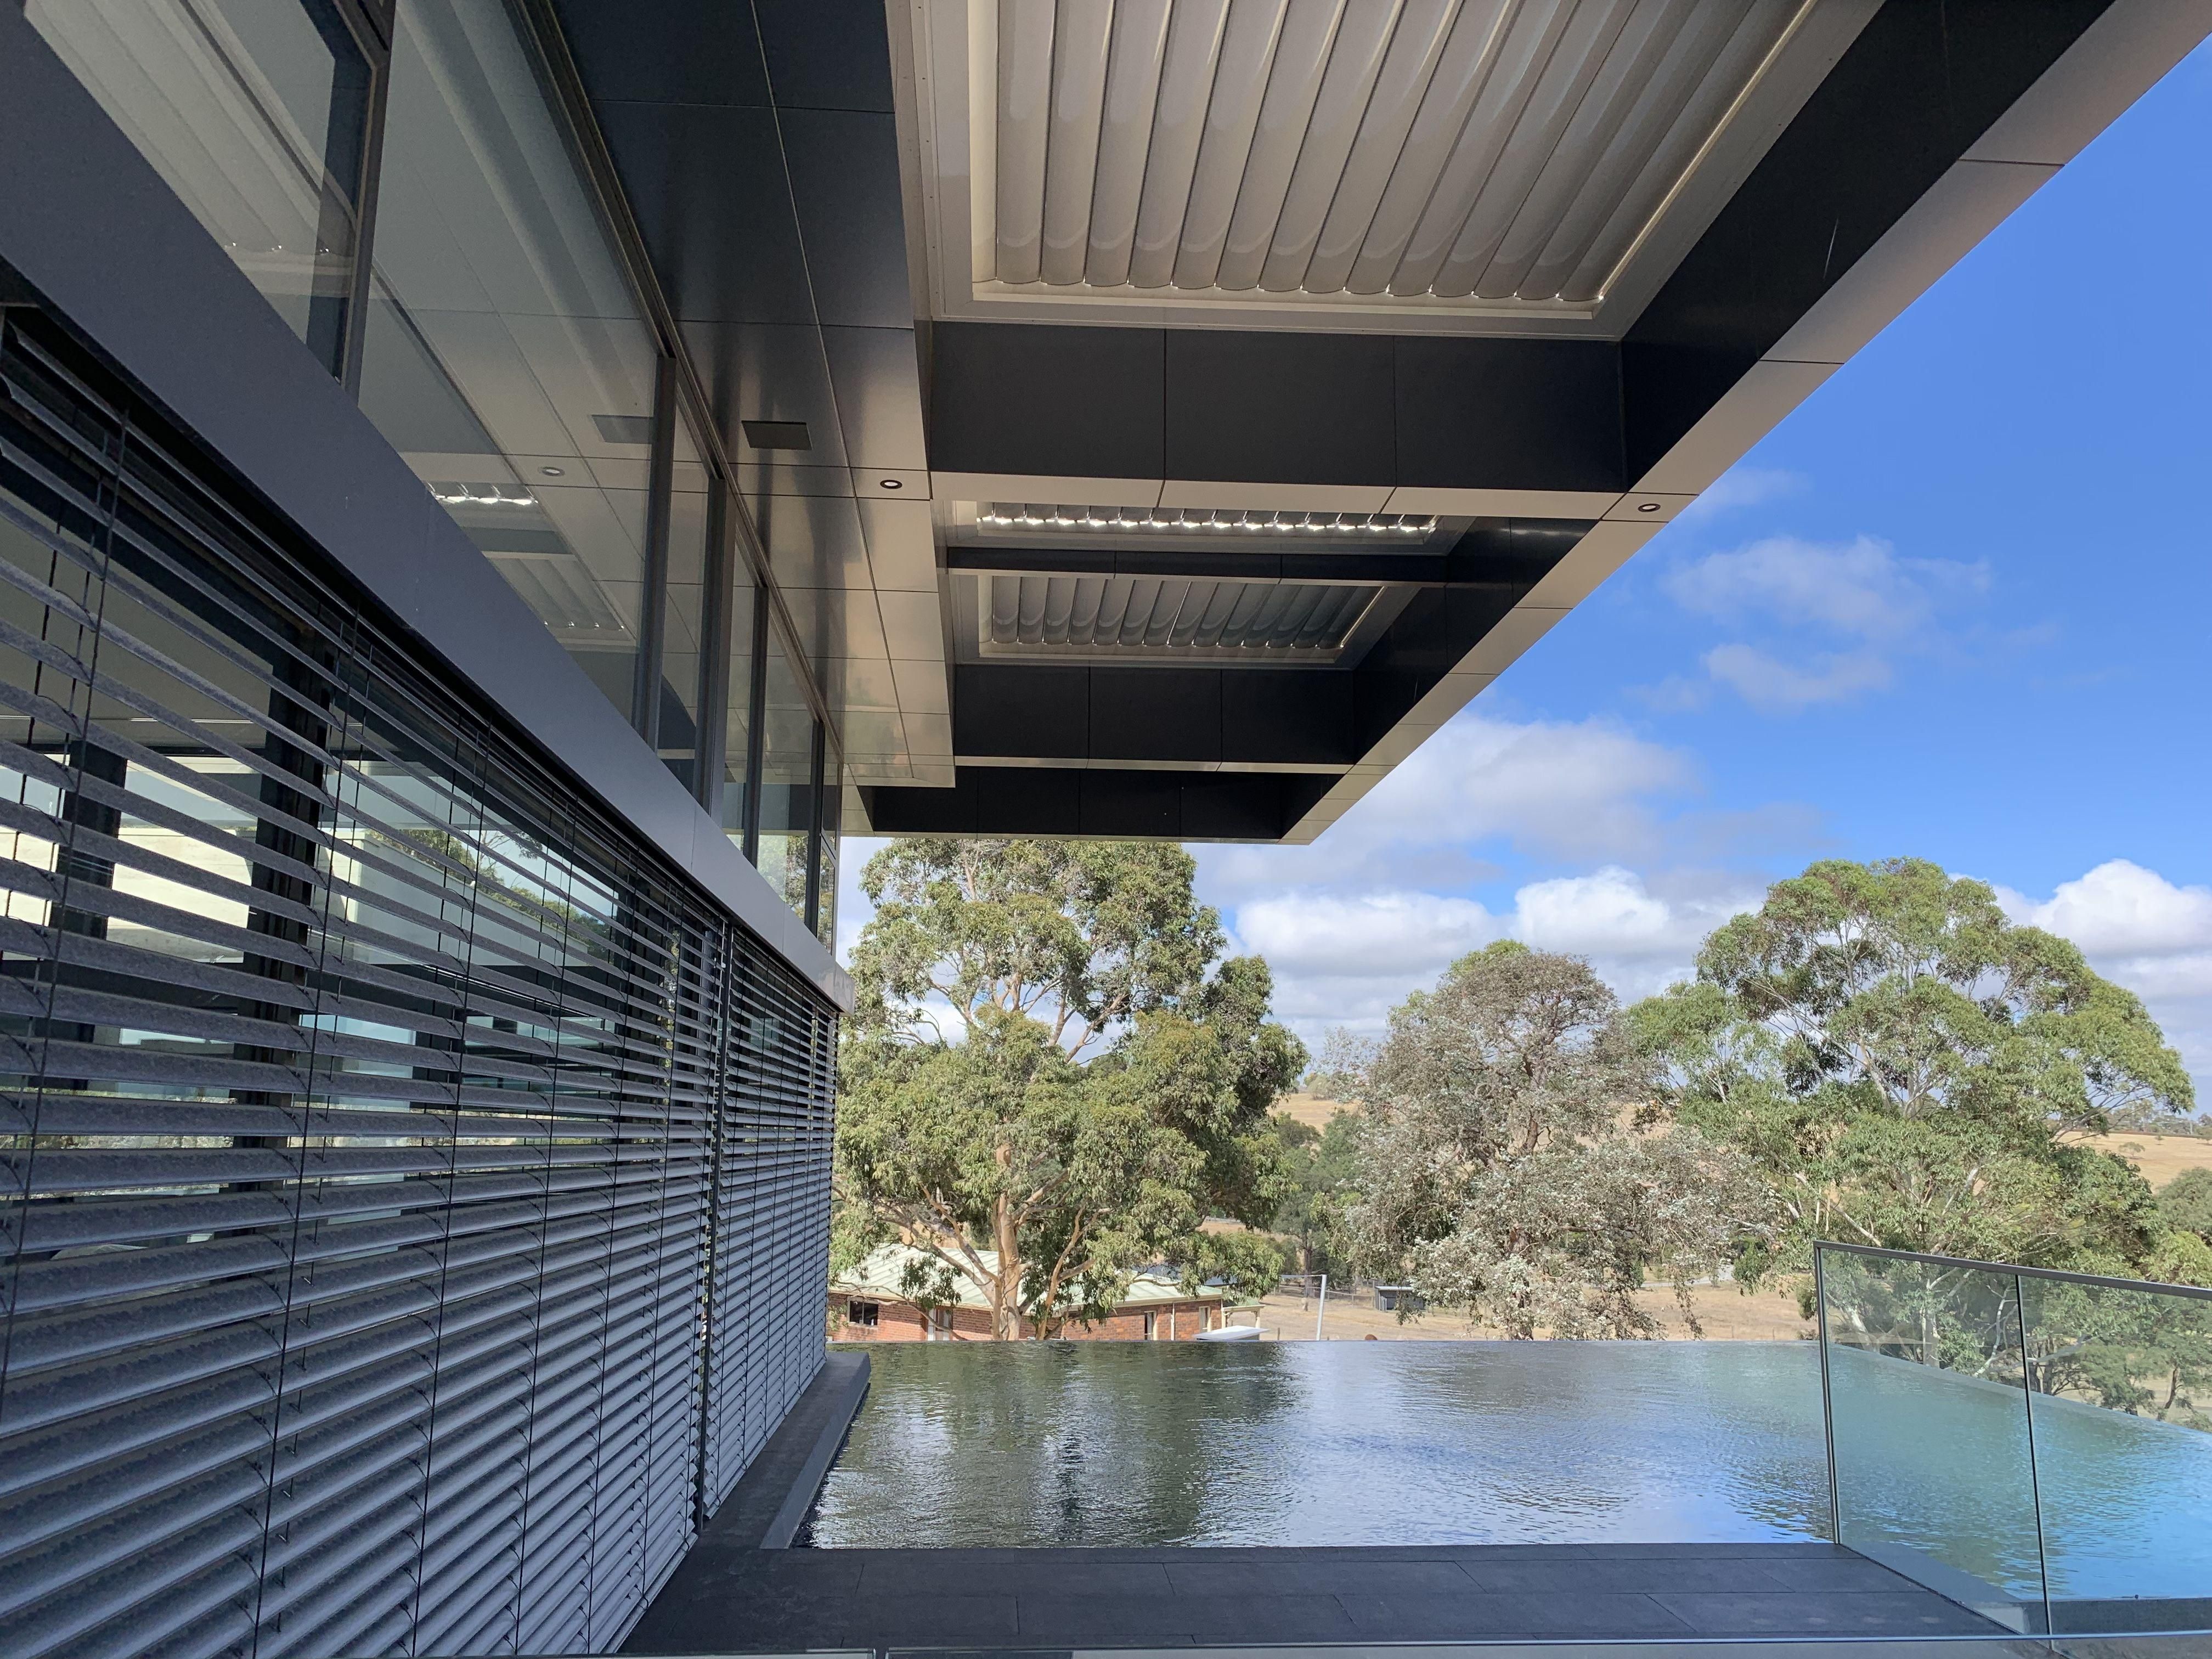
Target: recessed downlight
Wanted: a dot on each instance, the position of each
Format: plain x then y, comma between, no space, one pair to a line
552,471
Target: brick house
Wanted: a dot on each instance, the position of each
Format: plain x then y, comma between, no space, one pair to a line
866,1305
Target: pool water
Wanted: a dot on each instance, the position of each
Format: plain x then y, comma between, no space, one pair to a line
1331,1443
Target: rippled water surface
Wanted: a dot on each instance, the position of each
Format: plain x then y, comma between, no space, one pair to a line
1331,1443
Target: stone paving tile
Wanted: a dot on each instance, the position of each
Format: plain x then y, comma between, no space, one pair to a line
1799,1611
1846,1573
1630,1575
915,1571
1482,1617
1380,1578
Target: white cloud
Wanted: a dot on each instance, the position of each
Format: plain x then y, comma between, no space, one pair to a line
1348,960
1742,486
1553,789
1860,591
1775,687
2144,932
1860,588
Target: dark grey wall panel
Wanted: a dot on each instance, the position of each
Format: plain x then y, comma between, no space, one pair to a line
845,180
1021,800
1155,714
1508,414
707,184
1068,401
1279,408
1036,712
685,51
767,372
825,54
1288,716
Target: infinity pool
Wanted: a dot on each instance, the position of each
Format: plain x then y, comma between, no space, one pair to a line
1331,1443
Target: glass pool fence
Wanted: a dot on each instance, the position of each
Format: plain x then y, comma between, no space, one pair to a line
2027,1443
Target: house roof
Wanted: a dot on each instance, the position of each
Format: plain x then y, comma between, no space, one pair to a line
878,1275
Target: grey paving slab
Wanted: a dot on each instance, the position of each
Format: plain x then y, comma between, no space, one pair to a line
729,1599
1822,1612
1631,1574
1337,1572
1479,1617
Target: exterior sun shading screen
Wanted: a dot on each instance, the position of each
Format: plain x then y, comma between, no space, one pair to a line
1506,150
1185,520
413,1194
1124,614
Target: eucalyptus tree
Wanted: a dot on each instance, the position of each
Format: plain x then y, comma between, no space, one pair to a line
1909,1068
1051,1079
1512,1159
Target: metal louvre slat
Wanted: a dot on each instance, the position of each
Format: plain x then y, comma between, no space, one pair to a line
402,1238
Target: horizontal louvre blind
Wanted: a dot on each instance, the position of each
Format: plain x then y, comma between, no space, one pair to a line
413,1193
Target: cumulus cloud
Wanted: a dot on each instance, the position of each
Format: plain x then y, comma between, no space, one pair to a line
1550,789
1858,593
1860,587
1742,486
2147,934
1775,687
1347,960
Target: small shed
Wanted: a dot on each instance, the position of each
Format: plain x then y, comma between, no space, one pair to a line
1398,1298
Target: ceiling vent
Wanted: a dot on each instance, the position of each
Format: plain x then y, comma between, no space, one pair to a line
1167,617
1506,158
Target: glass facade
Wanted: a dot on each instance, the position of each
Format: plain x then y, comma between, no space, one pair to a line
785,835
259,114
422,221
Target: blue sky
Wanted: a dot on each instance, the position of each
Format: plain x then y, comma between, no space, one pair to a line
1954,607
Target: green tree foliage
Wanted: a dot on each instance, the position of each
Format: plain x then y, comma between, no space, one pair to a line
1908,1068
1507,1161
2185,1202
1320,1168
971,1126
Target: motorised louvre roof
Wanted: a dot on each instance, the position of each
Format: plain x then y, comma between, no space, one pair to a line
1508,151
413,1193
1184,618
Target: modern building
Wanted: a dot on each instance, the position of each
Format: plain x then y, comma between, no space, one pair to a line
492,491
873,1301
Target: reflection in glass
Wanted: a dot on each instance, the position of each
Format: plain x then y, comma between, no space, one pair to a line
737,746
825,877
786,780
256,113
1921,1355
685,618
506,357
2121,1405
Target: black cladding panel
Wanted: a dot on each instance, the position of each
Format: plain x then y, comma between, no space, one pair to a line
1286,407
1030,711
845,182
824,54
684,51
1155,714
1061,402
707,185
1476,414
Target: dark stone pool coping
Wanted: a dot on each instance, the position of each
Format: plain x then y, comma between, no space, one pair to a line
730,1597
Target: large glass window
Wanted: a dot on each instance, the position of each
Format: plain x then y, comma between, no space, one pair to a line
257,113
738,729
685,616
826,849
787,778
508,358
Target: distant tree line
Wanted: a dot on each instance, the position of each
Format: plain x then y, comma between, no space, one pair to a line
1054,1078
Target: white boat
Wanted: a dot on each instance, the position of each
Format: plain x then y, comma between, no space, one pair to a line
1231,1333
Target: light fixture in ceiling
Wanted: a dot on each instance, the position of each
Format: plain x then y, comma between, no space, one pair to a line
1031,515
466,494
